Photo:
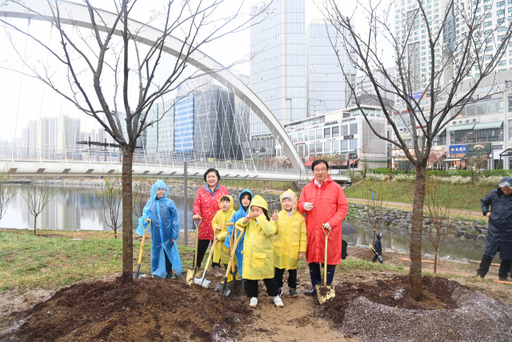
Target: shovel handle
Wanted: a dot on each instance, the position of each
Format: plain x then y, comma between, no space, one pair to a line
144,231
233,249
325,263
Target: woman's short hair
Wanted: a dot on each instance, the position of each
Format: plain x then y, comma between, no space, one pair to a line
212,170
319,161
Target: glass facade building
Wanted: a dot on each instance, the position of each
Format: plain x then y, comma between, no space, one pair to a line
184,124
160,136
278,68
326,86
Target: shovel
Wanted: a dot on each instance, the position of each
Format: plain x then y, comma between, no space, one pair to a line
324,291
137,274
191,273
224,286
202,281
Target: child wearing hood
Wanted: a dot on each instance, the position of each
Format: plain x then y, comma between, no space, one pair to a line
259,251
165,231
244,199
290,242
220,229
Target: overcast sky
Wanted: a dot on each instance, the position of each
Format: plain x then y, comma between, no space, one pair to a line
25,99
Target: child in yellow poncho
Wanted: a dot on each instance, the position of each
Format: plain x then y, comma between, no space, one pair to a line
290,242
258,253
220,229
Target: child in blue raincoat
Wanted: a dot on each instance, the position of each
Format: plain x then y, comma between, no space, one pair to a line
244,200
165,231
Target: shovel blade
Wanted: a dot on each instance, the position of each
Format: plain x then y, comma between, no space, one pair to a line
224,287
139,275
190,276
325,293
202,281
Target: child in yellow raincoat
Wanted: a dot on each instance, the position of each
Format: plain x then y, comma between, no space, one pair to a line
258,252
220,229
290,242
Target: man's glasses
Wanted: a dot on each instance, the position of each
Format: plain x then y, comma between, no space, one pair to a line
320,170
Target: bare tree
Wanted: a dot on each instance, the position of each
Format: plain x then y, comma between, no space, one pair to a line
364,151
374,205
109,208
117,81
37,196
438,203
429,96
6,194
335,160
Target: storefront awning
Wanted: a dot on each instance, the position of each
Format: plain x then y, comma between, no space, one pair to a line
461,127
489,125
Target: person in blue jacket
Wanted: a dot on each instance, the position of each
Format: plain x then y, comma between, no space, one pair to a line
165,231
499,235
244,200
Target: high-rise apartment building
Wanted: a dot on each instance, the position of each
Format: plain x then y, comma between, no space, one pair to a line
327,88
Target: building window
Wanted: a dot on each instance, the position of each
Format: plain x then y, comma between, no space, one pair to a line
327,132
344,145
353,127
335,131
510,131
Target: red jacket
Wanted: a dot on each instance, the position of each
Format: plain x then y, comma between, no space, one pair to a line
329,206
206,206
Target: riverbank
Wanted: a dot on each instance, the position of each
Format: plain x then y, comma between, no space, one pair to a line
303,316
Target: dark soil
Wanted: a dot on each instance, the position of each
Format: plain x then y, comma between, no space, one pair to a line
148,309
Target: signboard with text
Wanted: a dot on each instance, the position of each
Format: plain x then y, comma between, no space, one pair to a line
456,149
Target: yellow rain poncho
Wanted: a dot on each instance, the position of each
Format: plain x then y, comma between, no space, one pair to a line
258,252
291,237
221,218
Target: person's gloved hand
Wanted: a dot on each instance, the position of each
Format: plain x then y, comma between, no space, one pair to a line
308,206
327,226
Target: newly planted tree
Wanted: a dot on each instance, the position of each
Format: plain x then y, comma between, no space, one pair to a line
7,193
438,207
117,68
109,201
432,83
37,196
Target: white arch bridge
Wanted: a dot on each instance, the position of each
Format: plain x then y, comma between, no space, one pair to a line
74,163
17,161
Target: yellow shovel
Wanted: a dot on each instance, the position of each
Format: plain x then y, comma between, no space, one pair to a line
191,273
137,273
325,292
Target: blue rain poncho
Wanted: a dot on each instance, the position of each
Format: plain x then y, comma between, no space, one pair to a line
236,216
165,226
499,235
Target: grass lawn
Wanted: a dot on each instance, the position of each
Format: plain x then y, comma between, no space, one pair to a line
464,197
31,262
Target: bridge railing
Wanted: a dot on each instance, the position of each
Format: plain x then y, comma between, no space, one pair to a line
113,156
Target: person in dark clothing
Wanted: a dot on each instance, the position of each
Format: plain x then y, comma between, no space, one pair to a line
499,235
377,249
344,253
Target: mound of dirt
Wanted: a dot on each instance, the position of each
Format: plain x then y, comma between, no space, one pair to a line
383,310
150,309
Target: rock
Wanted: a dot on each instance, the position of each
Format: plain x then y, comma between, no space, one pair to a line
481,238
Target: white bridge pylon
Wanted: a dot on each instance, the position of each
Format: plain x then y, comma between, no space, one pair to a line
77,14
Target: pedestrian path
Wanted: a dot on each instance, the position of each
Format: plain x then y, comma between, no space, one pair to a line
475,215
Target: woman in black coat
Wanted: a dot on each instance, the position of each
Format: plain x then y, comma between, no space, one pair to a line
499,236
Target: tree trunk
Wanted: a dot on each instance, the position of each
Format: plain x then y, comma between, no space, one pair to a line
127,212
416,229
35,225
435,261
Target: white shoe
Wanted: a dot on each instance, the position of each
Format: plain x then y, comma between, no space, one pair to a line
254,302
278,302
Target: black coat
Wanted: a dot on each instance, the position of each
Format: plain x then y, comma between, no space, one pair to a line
378,246
499,237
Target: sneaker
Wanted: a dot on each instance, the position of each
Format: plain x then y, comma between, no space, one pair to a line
280,292
293,293
503,279
254,302
216,272
278,302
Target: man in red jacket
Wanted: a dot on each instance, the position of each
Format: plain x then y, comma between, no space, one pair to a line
325,205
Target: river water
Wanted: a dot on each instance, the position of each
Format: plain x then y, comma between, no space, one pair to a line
74,209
